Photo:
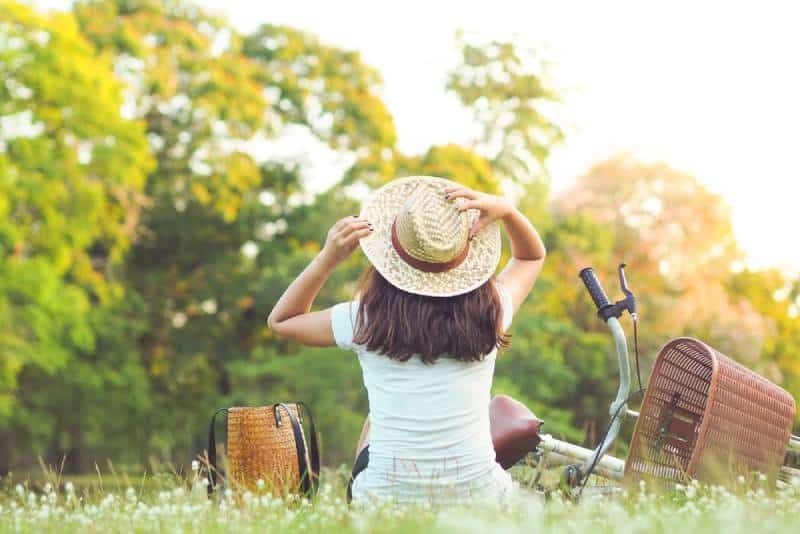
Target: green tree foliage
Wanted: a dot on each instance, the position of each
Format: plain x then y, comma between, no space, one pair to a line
329,96
72,169
201,102
225,223
452,162
677,238
776,297
506,90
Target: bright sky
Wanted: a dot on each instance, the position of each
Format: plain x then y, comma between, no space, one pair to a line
712,88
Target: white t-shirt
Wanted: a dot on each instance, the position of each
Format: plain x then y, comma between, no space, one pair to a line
429,423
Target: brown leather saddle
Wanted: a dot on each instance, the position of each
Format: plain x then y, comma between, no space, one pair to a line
515,430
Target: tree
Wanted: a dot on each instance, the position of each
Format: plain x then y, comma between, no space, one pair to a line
776,297
506,90
224,223
72,169
678,242
200,100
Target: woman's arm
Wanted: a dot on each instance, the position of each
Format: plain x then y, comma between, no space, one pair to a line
527,249
291,317
527,257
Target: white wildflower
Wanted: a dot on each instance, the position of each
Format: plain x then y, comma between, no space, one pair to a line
250,249
209,306
179,320
107,501
69,487
195,465
260,483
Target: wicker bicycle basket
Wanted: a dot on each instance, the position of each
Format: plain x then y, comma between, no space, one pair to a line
706,417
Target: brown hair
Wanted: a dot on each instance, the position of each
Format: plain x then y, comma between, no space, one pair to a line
465,327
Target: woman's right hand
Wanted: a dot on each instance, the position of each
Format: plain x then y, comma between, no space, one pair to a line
527,249
492,207
343,238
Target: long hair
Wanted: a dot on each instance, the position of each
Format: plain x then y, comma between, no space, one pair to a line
400,324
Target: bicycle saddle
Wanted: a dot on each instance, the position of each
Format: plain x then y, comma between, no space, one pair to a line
515,430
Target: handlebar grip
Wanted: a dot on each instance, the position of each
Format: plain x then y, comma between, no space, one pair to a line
595,289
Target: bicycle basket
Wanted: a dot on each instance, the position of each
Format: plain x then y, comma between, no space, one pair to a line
707,417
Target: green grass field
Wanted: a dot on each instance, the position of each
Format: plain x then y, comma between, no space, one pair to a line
168,503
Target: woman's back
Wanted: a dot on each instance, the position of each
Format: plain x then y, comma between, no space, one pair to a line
429,422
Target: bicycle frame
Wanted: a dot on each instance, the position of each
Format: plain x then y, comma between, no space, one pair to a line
565,453
623,392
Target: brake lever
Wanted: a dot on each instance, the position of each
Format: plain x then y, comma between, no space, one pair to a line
623,282
630,300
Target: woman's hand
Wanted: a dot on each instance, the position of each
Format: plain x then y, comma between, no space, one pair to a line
343,238
292,316
492,207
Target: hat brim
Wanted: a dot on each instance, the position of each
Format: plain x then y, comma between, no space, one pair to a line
381,208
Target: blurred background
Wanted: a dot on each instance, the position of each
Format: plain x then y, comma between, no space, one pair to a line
167,168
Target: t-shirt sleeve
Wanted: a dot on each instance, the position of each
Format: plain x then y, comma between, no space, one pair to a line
343,321
506,303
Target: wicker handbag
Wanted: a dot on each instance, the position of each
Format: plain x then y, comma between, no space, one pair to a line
267,443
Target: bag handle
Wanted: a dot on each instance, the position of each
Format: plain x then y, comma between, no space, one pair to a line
309,480
212,453
314,446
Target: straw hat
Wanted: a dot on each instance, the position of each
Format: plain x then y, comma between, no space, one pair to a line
421,241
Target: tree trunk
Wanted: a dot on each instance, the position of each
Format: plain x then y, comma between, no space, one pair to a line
6,445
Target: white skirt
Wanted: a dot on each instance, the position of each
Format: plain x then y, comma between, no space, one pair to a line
495,487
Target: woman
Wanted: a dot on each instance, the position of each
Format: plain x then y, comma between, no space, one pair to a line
427,326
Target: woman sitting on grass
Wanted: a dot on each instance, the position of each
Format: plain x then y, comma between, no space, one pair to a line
429,320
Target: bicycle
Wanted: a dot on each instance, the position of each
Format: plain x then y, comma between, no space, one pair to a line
703,416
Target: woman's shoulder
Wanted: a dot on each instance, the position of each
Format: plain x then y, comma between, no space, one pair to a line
343,323
506,303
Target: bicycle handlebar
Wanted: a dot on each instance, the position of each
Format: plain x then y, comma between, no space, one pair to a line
595,289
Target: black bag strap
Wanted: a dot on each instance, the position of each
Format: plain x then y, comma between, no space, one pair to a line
212,452
309,479
314,446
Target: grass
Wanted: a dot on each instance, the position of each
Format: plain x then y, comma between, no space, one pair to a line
171,503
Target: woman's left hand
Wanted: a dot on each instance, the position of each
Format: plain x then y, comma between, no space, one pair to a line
343,238
492,207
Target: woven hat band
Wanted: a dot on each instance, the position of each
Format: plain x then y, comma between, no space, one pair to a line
426,266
